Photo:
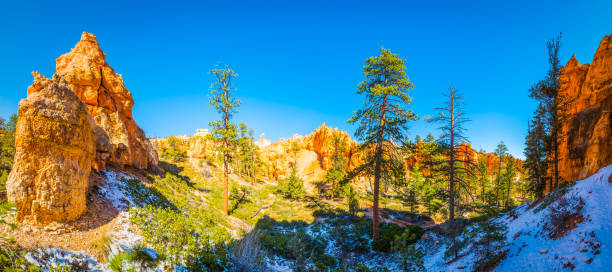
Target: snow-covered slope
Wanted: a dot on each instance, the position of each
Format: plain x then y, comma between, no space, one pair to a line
569,230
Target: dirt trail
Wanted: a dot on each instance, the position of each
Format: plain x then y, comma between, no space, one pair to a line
386,218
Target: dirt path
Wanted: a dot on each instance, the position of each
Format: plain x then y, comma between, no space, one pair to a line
386,218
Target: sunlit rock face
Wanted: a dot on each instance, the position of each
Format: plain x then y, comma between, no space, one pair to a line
586,138
313,157
120,140
55,147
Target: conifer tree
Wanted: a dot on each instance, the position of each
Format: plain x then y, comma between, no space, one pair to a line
484,178
248,156
451,118
508,178
7,147
337,172
551,108
536,143
222,99
383,119
501,150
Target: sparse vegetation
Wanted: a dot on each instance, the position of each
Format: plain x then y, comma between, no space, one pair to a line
14,260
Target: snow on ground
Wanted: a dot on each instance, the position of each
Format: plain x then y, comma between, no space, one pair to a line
123,236
114,189
530,247
46,258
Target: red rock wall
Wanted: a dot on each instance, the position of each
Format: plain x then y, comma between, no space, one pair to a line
586,138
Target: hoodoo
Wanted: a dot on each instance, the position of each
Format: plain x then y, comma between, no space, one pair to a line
79,120
120,141
55,147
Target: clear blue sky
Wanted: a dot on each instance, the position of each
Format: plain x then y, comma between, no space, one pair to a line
300,62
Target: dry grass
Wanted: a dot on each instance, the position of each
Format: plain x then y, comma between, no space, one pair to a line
100,247
565,216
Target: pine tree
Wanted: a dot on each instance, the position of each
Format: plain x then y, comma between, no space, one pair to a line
451,118
432,158
248,155
336,174
294,186
7,142
552,104
173,152
351,198
384,118
536,144
508,179
501,150
491,239
221,98
483,178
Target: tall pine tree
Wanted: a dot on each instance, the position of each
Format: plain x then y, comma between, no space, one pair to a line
536,147
221,98
384,118
501,150
551,108
452,119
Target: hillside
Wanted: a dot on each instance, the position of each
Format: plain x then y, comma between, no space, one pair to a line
569,229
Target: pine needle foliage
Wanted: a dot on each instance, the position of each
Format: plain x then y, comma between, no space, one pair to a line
223,100
383,120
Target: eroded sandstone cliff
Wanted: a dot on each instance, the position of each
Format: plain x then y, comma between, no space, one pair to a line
55,147
586,138
314,154
120,140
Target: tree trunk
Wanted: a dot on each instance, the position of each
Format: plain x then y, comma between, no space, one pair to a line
497,194
556,162
451,162
378,158
375,204
225,184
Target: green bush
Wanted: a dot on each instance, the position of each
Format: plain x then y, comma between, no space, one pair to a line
410,257
14,261
389,231
327,259
293,187
5,207
174,152
353,199
144,195
192,240
119,262
60,268
3,178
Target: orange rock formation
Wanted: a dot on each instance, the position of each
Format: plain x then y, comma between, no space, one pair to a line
314,156
120,140
586,138
79,120
55,146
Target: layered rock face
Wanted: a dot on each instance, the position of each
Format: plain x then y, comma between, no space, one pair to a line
55,147
120,140
586,138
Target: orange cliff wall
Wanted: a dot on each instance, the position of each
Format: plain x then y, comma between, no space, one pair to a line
586,138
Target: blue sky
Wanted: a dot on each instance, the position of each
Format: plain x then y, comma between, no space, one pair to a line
300,61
